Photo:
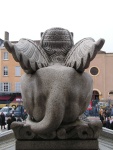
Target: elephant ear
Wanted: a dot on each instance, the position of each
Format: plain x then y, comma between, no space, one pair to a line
82,53
30,56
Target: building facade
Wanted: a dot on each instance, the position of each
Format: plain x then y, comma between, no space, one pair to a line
101,70
10,72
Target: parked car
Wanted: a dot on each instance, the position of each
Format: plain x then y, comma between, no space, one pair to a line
102,104
7,110
20,112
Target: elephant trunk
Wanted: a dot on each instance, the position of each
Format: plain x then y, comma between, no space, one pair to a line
55,109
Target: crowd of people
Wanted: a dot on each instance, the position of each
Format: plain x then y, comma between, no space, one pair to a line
106,118
6,121
105,114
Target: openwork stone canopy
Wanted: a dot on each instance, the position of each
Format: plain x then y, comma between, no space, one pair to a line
55,88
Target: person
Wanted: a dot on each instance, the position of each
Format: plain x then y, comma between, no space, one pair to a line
102,116
108,122
112,110
108,113
104,119
111,124
13,117
24,115
0,119
9,121
3,123
95,110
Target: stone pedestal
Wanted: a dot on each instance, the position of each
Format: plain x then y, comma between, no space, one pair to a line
80,135
57,145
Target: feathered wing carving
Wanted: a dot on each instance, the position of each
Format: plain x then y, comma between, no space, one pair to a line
82,53
30,56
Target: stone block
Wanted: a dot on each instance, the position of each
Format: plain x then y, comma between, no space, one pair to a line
57,145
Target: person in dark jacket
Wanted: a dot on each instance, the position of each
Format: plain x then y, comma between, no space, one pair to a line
108,122
3,123
0,119
9,121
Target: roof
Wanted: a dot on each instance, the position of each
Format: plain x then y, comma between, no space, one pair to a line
101,52
1,43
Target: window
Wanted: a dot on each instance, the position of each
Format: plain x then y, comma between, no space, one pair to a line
4,87
17,87
5,71
17,71
94,71
5,56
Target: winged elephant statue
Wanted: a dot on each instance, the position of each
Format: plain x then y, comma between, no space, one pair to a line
55,89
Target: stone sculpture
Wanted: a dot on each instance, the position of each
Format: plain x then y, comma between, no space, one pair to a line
55,88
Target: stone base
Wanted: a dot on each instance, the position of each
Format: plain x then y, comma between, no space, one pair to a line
57,145
79,135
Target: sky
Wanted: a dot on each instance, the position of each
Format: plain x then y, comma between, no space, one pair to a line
85,18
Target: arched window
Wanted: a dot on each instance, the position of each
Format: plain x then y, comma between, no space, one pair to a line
95,95
95,98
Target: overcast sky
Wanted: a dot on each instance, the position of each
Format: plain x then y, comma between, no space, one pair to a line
85,18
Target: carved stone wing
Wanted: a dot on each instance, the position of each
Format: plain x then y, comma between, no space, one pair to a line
82,53
30,56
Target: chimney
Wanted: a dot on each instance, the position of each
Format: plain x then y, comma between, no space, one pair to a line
6,36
